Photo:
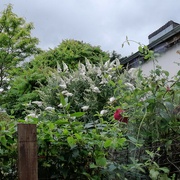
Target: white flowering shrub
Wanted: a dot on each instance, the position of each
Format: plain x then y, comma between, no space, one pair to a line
73,122
89,88
147,110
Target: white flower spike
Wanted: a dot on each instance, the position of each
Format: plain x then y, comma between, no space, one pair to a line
85,108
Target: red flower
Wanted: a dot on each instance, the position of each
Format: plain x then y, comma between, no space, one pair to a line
118,116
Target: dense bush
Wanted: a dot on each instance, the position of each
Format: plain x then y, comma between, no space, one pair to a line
152,105
78,137
149,102
8,148
72,52
22,88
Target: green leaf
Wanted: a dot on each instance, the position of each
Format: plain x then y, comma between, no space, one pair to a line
164,115
107,143
140,49
101,161
3,140
65,132
51,125
158,72
112,167
71,141
132,139
63,102
79,137
121,141
154,174
62,122
178,83
151,154
89,125
77,114
178,73
92,165
166,73
147,56
164,169
169,105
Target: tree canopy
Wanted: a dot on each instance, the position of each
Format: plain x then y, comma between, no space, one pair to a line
16,42
72,52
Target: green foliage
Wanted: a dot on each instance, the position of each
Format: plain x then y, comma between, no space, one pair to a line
156,172
72,52
76,149
4,116
77,135
23,88
151,103
8,149
146,53
67,148
16,42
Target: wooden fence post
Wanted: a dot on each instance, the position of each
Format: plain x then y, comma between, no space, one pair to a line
27,152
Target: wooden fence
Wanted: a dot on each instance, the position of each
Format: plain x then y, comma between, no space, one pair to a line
27,152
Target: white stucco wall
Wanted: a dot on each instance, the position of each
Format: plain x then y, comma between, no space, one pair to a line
166,60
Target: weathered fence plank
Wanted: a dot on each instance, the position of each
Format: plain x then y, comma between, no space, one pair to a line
27,152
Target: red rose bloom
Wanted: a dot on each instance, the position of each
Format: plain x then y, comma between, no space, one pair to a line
118,116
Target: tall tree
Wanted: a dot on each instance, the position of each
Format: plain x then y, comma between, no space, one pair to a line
114,55
72,52
16,43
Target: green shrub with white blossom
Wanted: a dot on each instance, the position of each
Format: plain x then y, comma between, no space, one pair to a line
94,92
77,132
88,89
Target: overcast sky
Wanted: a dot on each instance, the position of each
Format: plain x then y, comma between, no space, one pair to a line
99,22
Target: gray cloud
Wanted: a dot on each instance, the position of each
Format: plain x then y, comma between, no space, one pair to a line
99,22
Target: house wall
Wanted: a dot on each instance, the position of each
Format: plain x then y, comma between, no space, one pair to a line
166,61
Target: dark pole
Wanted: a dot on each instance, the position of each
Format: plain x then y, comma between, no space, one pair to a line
27,152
